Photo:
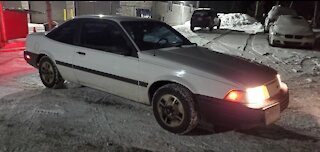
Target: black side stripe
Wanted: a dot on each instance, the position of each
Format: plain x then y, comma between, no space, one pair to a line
136,82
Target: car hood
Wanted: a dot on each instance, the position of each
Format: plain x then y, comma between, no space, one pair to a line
293,27
199,60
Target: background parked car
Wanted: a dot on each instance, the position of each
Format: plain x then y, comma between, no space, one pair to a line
274,13
291,30
205,17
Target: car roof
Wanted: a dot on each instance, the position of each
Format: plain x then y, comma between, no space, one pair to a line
203,9
114,18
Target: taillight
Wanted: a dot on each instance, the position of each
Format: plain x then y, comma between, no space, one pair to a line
235,96
28,56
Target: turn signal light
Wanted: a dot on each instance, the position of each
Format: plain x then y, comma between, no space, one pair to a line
235,96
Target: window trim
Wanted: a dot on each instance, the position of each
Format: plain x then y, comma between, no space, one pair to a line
133,52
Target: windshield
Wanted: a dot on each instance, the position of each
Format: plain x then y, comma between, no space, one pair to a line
284,11
154,35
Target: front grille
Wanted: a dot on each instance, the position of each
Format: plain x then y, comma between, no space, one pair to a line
298,37
288,36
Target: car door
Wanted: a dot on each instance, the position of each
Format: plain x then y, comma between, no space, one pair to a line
62,48
106,59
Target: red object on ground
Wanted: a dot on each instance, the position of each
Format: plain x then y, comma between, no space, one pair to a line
14,45
2,31
34,29
16,24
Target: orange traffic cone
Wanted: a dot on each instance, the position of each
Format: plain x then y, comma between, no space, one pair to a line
34,29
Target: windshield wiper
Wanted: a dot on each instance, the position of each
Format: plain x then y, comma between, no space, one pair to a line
181,44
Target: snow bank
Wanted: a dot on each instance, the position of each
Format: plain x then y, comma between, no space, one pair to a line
240,22
231,21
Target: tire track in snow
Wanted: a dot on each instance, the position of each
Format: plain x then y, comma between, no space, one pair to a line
266,59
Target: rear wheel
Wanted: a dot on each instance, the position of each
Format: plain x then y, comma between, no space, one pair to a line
174,108
49,74
211,28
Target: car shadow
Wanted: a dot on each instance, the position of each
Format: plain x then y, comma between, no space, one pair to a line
276,132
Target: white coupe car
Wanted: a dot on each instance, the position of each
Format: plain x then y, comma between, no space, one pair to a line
149,62
291,30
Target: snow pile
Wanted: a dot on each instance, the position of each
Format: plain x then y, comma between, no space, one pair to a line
240,22
192,36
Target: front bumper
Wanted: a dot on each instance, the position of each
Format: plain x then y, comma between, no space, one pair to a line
283,40
215,111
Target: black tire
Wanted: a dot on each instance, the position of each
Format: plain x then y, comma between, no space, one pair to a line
210,28
49,74
192,28
183,108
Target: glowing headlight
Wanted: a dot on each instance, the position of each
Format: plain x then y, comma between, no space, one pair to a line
257,95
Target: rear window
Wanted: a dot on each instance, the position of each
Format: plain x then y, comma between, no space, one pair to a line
285,11
201,13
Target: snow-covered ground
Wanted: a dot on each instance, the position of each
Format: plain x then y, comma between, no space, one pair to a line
33,118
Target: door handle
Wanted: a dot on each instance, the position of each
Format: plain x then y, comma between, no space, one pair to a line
81,53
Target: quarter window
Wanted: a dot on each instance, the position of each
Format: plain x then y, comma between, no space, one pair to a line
65,33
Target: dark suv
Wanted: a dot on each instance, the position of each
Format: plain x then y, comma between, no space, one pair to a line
205,18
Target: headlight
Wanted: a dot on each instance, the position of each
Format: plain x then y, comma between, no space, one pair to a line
257,95
310,36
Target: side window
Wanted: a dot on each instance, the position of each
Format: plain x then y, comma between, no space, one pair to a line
104,36
65,33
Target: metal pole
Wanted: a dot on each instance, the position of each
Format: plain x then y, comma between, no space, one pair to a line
315,13
49,14
257,7
291,4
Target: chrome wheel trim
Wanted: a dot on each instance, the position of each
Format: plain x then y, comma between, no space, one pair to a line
170,110
47,73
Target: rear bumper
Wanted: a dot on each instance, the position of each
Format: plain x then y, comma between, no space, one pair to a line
205,23
33,58
215,111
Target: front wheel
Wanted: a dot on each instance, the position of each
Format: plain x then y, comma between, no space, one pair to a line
192,28
174,108
49,74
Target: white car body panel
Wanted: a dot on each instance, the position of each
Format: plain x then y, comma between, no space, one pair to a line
119,65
